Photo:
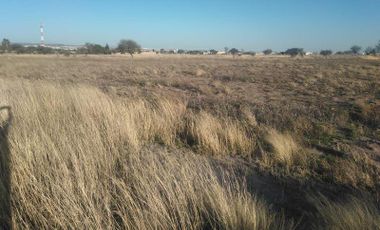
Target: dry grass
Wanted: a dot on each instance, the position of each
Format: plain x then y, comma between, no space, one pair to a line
78,161
107,142
218,136
353,214
284,147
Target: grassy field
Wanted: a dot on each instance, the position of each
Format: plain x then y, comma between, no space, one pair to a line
172,142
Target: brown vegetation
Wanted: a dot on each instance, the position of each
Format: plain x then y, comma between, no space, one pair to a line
189,143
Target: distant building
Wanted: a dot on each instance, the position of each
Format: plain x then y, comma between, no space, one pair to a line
54,46
146,50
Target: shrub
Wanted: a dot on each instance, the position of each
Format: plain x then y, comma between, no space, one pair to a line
326,52
267,51
295,52
370,51
213,52
251,53
355,49
234,51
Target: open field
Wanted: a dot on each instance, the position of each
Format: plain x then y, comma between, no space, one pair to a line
172,142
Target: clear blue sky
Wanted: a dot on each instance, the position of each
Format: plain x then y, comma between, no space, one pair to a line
197,24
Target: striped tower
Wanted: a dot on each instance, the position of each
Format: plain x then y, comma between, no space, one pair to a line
42,42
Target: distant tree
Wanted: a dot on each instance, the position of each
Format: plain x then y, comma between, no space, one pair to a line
213,52
356,49
90,48
348,52
82,50
326,52
251,53
267,51
98,49
234,52
295,52
107,49
44,50
226,49
370,51
30,50
17,48
378,47
180,51
195,52
129,46
5,45
66,53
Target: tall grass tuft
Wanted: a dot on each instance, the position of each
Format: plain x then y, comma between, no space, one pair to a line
284,147
216,136
353,214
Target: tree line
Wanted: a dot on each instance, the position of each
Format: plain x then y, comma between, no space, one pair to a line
125,46
355,50
131,47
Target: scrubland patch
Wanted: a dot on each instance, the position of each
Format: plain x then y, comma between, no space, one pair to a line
109,143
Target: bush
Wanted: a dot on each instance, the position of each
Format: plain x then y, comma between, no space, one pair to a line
5,45
355,49
17,48
44,50
213,52
326,52
295,52
90,48
251,53
267,51
378,47
234,51
370,51
180,51
195,52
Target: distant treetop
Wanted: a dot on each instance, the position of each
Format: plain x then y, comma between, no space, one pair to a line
326,52
356,49
267,51
129,46
295,51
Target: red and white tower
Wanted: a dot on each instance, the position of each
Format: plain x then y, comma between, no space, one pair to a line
42,42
